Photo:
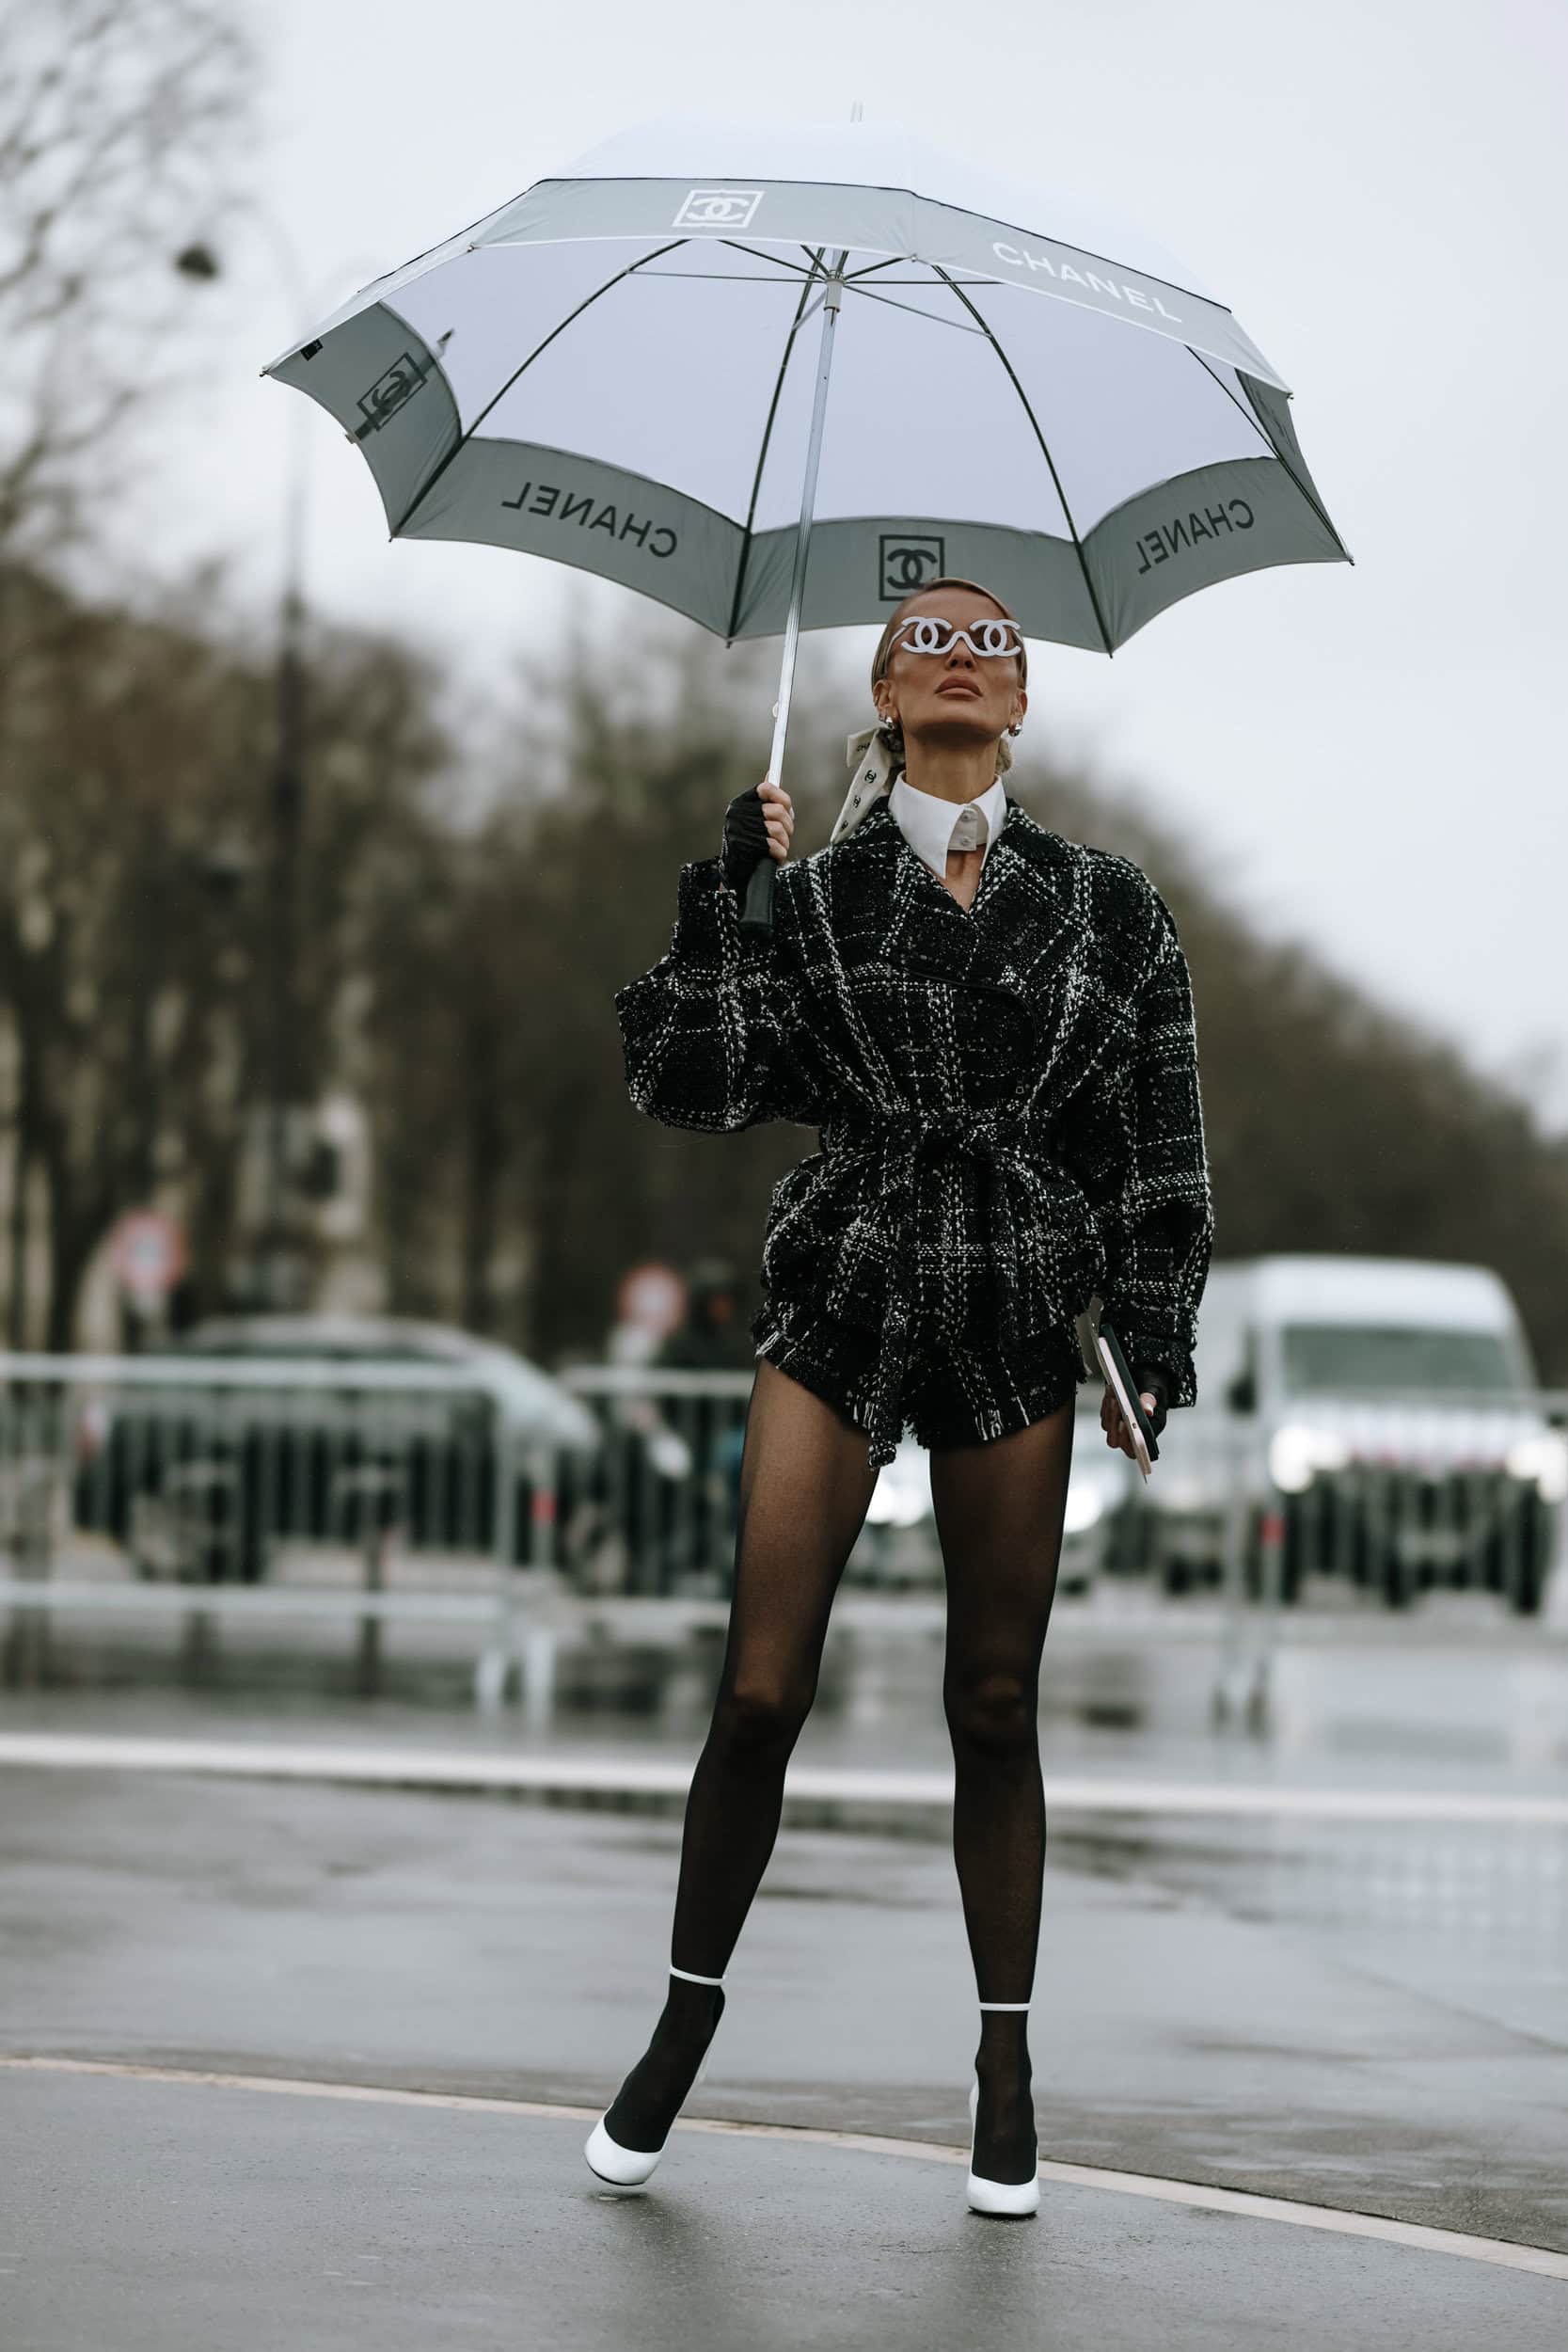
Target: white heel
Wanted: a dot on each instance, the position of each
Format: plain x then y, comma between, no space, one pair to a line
629,2167
622,2168
1009,2197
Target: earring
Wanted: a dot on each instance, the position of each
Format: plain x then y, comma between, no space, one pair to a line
1017,727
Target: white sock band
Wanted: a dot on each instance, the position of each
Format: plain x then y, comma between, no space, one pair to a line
1005,2004
692,1980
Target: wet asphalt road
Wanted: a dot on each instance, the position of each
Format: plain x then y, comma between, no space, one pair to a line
1361,2016
234,2219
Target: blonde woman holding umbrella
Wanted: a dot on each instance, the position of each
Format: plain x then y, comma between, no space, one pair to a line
992,1029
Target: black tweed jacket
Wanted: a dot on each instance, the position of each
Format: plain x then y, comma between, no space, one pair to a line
1006,1095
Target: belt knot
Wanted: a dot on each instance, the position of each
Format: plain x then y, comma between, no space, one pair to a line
911,1137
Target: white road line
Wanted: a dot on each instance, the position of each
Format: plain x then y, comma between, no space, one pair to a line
563,1774
1504,2252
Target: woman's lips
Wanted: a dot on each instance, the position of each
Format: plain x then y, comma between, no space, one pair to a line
972,692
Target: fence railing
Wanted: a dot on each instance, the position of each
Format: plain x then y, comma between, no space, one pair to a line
213,1490
1371,1499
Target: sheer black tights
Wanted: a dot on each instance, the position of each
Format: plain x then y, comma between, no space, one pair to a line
999,1510
804,1488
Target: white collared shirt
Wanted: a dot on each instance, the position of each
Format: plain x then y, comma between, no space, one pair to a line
932,826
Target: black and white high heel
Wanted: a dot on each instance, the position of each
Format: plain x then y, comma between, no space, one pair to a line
629,2167
1004,2197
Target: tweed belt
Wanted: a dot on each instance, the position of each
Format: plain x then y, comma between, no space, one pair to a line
906,1145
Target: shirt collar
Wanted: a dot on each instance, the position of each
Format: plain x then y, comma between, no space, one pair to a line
926,823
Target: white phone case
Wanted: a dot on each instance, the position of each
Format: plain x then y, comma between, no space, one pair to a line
1114,1381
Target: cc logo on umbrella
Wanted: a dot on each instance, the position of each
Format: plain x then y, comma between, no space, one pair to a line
718,207
391,390
907,563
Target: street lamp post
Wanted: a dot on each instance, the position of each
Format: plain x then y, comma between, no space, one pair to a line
286,802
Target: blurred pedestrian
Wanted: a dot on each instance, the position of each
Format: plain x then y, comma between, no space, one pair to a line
712,1336
992,1029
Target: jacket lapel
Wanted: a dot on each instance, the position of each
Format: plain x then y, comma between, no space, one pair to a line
1021,929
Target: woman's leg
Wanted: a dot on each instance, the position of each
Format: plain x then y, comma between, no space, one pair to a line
999,1512
806,1484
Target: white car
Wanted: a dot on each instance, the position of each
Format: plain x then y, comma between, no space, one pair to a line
1375,1418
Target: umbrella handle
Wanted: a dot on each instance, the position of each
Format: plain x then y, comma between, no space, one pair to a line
756,914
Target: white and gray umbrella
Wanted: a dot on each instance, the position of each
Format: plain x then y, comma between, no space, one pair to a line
615,370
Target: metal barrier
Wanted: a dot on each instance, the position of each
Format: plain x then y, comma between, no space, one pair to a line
216,1490
657,1512
213,1490
1370,1500
206,1489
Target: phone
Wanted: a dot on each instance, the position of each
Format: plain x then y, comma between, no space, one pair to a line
1119,1376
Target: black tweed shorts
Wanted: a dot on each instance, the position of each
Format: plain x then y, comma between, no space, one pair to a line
953,1395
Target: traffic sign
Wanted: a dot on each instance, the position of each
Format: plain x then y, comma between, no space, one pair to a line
147,1250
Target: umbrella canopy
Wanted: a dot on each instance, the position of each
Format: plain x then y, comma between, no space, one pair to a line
614,370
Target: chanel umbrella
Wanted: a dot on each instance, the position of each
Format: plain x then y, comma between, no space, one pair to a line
627,369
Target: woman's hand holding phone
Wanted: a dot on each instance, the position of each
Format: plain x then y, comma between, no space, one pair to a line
1118,1435
1152,1396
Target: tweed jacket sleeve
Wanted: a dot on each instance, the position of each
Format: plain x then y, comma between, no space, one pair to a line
1161,1225
709,1034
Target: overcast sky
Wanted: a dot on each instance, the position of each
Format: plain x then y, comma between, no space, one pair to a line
1372,755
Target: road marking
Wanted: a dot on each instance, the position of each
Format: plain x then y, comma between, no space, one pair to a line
1504,2252
606,1777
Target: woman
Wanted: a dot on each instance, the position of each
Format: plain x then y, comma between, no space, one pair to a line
992,1029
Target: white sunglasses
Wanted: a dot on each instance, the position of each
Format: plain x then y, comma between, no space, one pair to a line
986,640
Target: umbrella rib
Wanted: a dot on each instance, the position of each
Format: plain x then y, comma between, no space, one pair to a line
775,260
714,277
1276,453
868,294
467,433
1045,452
796,325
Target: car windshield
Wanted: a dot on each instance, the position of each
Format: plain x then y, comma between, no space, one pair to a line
1322,1357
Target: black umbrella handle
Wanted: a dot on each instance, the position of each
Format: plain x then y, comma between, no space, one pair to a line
756,914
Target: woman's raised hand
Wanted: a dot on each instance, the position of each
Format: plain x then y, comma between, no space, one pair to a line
781,817
757,825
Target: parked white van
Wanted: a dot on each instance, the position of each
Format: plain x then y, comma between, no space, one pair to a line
1384,1409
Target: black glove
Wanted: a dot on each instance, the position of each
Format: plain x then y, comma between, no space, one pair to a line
746,842
1153,1380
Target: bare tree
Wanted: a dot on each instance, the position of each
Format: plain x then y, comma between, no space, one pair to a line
119,124
134,920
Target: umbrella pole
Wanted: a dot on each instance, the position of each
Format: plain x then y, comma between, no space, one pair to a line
757,914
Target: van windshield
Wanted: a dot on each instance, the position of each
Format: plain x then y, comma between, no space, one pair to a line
1319,1357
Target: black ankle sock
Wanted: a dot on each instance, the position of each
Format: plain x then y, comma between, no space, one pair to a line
1005,2148
655,2091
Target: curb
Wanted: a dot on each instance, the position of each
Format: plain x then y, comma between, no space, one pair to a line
907,1803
